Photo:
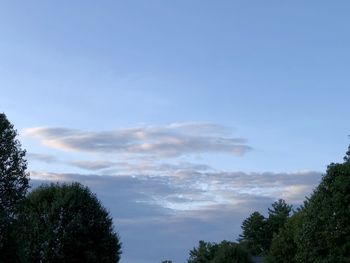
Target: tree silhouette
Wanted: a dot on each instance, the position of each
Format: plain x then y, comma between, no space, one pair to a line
13,185
325,233
66,223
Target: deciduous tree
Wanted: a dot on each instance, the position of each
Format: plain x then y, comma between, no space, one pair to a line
66,223
325,232
13,185
229,252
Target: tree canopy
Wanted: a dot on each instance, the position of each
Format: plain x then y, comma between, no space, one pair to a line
320,231
278,215
254,233
224,252
284,244
229,252
66,223
13,184
325,233
258,231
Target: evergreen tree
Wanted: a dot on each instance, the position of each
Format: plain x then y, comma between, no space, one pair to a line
258,231
253,235
278,215
204,253
284,244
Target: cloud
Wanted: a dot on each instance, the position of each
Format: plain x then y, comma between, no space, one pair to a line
172,140
94,165
200,190
140,167
167,216
42,157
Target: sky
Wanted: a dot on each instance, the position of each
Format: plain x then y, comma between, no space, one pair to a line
182,116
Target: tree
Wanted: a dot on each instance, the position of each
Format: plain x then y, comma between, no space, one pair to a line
258,231
13,185
204,253
224,252
325,232
278,215
66,223
284,244
253,235
229,252
347,155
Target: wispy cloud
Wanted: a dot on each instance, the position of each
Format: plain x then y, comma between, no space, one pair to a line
172,140
95,165
46,158
140,167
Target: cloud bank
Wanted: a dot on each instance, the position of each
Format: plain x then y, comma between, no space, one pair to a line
168,215
201,190
159,197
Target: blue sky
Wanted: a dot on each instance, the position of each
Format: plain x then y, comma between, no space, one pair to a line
184,113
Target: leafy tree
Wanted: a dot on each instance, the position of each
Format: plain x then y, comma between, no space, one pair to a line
66,223
254,234
13,185
325,232
284,244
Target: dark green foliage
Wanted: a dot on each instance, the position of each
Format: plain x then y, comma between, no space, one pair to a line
204,253
229,252
253,235
278,215
258,231
320,232
284,244
225,252
66,223
13,186
325,232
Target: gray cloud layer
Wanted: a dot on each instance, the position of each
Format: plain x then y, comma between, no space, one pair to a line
168,215
159,141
